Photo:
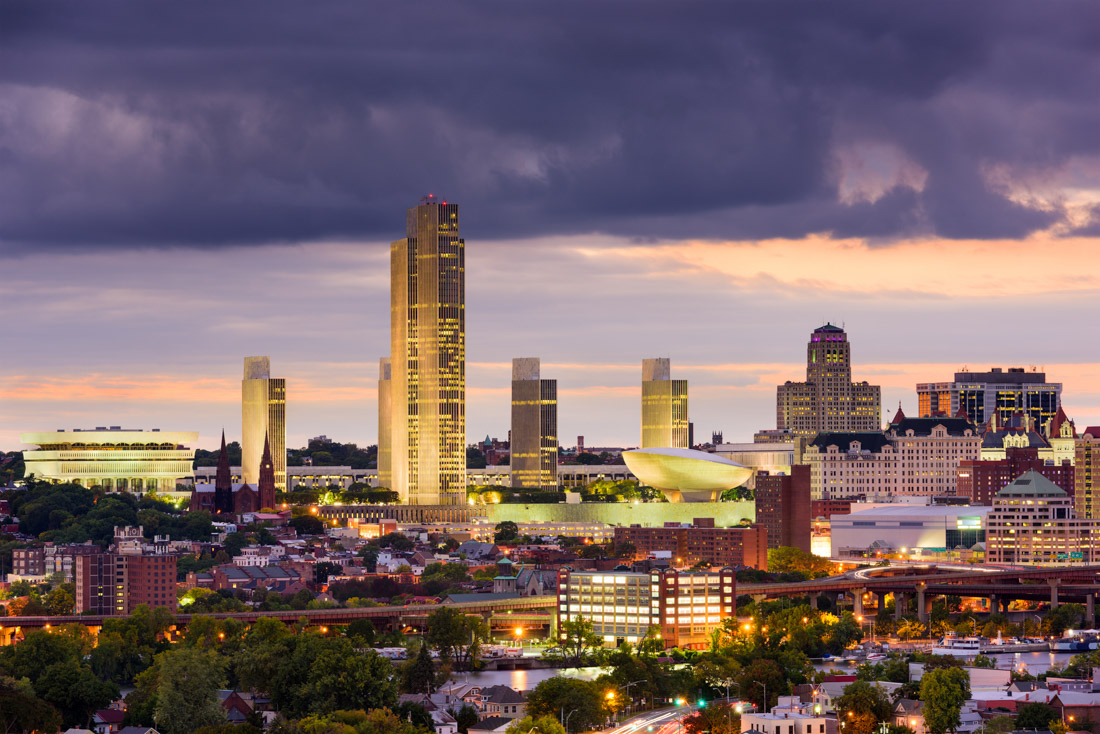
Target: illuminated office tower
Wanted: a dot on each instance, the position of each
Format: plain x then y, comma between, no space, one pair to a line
664,407
534,444
385,423
428,357
263,415
828,401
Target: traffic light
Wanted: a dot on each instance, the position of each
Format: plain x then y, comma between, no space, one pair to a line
702,703
679,702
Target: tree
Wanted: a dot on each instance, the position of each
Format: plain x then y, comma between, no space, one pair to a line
760,675
506,532
581,697
465,717
716,717
325,569
456,636
74,690
910,628
867,704
578,641
942,693
60,601
326,674
22,711
307,525
187,694
795,560
542,725
1035,716
418,674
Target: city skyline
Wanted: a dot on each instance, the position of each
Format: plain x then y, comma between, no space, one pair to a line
647,199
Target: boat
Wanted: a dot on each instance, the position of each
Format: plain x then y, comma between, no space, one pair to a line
960,647
875,656
1077,641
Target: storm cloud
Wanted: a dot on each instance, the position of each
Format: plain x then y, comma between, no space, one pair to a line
206,124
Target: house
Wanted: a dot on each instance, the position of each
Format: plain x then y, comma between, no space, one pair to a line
475,550
491,725
504,702
138,730
443,722
107,721
237,710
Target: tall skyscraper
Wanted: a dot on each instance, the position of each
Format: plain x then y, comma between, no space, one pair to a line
263,417
534,435
664,407
385,423
828,400
428,357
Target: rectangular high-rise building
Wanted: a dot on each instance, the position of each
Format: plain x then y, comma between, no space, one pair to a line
664,406
993,397
783,507
385,423
263,417
534,442
1087,474
428,357
828,400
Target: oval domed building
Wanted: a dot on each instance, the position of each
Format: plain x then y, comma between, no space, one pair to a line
686,475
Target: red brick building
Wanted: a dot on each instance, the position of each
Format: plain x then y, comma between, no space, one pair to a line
117,583
826,508
980,481
700,542
783,507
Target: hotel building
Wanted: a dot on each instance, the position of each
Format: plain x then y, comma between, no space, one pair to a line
783,507
117,459
385,423
684,608
700,542
828,400
125,578
916,456
1087,474
534,439
1033,523
428,357
664,407
263,418
994,396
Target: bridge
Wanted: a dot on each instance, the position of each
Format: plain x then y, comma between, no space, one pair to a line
502,613
1000,586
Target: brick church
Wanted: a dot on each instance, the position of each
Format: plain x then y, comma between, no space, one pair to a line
223,497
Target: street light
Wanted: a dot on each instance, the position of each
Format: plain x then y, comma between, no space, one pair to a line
565,721
765,687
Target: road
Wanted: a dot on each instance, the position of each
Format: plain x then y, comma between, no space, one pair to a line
659,721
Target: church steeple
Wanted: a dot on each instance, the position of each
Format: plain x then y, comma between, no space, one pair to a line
223,482
266,484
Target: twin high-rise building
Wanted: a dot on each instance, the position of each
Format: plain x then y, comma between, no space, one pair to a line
664,407
263,419
385,423
427,386
828,400
534,439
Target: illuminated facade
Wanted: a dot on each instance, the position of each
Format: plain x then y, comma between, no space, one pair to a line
263,418
994,396
686,475
664,407
117,460
534,442
684,608
428,357
1087,478
828,400
909,529
385,423
1033,522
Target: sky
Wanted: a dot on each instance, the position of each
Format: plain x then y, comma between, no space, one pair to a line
184,185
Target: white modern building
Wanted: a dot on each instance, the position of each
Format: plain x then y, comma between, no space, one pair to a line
117,459
774,457
912,530
686,475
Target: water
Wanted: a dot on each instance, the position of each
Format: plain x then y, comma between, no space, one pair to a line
1028,662
523,680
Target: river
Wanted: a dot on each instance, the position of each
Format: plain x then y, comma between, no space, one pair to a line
1027,662
523,680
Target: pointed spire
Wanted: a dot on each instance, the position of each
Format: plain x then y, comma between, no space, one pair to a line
899,416
223,478
265,486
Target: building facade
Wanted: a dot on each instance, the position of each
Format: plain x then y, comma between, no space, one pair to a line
263,419
534,436
910,530
119,581
980,481
774,457
684,608
428,357
783,507
1087,474
117,459
664,407
915,456
1032,522
828,400
385,423
995,395
700,542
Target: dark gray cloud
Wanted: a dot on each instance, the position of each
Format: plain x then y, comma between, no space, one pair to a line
207,123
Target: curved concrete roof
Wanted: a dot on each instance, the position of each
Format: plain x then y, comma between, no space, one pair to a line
686,475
